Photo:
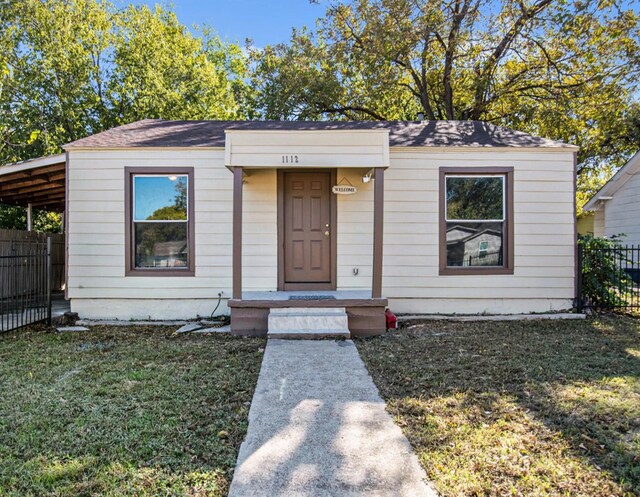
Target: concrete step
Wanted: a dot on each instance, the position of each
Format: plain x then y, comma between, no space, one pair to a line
308,323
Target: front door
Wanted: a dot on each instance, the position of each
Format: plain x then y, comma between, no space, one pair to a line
307,231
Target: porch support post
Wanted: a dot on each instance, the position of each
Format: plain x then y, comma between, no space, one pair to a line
29,217
237,233
378,227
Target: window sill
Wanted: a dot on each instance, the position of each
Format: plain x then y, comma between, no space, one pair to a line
469,271
160,272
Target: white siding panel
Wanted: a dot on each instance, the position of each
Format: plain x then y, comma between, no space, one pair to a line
101,307
89,216
543,234
622,213
259,231
478,306
96,226
544,256
278,148
295,139
355,229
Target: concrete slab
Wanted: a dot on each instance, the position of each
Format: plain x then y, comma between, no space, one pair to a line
308,334
318,428
311,323
115,322
72,328
189,327
219,329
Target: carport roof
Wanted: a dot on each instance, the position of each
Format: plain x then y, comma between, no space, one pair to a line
39,182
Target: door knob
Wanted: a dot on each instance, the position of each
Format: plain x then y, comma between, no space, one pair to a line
326,233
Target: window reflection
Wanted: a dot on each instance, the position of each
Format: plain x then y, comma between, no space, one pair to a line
474,244
475,219
160,219
160,198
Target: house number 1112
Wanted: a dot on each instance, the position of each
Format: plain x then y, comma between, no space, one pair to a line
289,159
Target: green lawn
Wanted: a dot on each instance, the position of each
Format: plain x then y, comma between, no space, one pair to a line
122,412
545,408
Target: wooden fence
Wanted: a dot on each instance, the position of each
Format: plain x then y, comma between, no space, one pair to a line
14,243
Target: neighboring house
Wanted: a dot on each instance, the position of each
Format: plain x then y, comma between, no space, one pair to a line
425,217
585,223
616,206
474,247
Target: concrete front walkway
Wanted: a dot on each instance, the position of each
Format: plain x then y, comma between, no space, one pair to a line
318,427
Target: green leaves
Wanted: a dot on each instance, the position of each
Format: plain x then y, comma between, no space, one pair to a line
163,71
15,218
565,70
73,68
605,283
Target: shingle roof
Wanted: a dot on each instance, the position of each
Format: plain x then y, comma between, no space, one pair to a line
161,133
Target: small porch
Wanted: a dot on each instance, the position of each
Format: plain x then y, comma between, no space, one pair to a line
311,168
365,314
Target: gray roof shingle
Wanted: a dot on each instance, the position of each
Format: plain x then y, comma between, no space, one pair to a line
162,133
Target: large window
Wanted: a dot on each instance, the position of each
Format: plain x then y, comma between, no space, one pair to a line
159,221
475,220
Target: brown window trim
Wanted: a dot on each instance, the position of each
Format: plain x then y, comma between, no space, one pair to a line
130,269
508,248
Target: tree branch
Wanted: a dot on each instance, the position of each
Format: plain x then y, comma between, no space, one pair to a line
351,108
486,72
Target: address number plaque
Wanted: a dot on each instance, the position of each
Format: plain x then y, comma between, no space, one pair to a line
290,159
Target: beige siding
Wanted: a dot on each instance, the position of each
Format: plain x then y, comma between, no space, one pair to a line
345,148
96,236
622,212
585,225
355,233
543,277
544,255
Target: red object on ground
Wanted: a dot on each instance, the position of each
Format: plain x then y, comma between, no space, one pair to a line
392,320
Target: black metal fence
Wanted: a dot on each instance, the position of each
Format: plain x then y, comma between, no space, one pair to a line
487,259
609,278
26,280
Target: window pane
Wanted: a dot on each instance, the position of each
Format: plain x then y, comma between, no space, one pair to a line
474,244
160,198
475,198
161,245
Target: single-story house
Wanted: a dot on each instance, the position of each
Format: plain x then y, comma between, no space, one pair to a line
478,246
164,217
616,206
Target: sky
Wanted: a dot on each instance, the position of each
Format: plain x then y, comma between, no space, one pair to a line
265,22
153,193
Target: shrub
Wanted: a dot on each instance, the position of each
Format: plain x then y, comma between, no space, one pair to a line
605,283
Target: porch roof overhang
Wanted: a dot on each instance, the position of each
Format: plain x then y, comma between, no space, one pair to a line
39,182
299,149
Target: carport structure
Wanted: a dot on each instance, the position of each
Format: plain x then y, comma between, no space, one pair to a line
32,264
37,183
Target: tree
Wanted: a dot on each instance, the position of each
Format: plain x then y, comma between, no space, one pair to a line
160,70
72,68
567,69
15,218
51,54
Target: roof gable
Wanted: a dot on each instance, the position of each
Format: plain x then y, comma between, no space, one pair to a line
614,184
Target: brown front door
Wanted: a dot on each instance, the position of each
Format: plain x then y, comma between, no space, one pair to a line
307,230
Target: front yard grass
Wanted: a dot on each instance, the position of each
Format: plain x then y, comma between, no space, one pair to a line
122,412
543,408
